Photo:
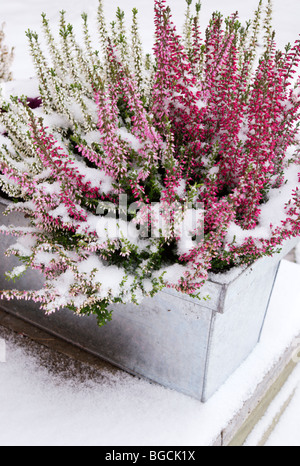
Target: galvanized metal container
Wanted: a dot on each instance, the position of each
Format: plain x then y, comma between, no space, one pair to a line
182,343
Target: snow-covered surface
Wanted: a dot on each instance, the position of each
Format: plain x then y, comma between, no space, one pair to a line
38,407
21,15
287,432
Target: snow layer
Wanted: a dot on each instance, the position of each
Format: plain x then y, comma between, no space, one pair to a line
40,408
287,432
297,254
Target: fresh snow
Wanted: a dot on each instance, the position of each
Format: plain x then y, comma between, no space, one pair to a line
129,138
39,408
287,432
297,254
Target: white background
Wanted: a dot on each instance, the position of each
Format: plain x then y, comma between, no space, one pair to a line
21,15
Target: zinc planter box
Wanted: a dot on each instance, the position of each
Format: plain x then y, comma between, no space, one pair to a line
182,343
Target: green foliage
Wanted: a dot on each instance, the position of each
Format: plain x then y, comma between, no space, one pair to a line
99,309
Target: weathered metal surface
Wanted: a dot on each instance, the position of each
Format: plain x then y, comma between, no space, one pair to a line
185,344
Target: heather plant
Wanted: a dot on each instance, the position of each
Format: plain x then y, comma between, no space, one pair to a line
6,58
126,149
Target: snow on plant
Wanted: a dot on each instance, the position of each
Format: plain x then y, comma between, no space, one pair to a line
6,58
114,169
